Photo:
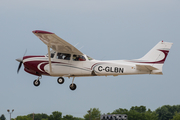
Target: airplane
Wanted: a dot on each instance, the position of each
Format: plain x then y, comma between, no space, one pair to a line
64,60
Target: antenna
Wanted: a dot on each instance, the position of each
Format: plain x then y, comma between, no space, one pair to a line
81,47
76,44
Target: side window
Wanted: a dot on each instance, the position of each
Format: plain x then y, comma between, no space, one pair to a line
78,58
63,56
52,55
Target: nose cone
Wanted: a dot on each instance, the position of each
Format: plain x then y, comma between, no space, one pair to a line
19,59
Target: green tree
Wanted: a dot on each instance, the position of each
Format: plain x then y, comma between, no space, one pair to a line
176,116
68,117
55,116
141,109
163,113
167,112
38,116
134,115
77,118
23,118
44,119
120,111
137,113
93,114
149,115
2,117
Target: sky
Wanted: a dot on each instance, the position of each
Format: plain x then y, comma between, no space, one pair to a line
104,30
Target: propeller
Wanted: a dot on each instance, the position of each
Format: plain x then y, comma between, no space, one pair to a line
21,61
20,64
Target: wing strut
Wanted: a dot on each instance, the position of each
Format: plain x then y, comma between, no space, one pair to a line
49,56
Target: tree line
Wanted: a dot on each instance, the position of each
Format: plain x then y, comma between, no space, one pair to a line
165,112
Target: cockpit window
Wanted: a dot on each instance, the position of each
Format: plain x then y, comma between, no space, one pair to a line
89,58
79,58
63,56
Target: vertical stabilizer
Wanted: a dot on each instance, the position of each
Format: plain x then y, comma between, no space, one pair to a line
158,54
154,58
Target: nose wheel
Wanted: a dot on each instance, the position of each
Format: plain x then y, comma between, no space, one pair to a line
37,82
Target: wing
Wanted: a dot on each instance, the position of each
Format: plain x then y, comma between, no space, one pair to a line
56,43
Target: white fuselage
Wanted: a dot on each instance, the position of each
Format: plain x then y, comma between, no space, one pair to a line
64,60
71,68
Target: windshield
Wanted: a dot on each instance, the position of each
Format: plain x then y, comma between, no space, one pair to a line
89,58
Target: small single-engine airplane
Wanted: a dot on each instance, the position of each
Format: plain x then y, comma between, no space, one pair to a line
64,60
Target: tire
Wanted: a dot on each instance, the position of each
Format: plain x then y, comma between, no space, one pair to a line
36,83
60,80
72,87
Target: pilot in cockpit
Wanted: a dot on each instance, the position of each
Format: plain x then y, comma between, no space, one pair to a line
67,57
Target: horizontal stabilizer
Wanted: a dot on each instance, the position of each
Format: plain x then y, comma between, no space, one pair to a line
145,67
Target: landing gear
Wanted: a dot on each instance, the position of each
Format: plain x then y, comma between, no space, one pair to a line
60,80
73,85
37,82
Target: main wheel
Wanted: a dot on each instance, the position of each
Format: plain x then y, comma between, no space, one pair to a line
60,80
72,86
36,83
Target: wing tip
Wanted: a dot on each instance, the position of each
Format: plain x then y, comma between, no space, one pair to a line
42,32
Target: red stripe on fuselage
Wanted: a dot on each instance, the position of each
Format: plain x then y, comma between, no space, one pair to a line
33,66
26,57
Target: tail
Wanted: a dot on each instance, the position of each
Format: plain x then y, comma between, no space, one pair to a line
155,58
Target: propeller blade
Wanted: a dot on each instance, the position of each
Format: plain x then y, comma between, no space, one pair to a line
25,52
20,64
20,60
